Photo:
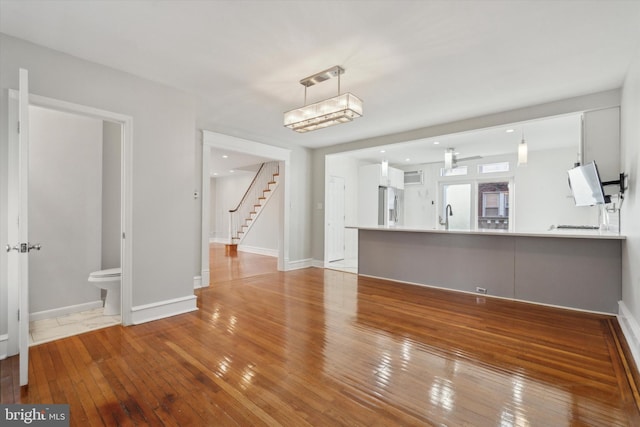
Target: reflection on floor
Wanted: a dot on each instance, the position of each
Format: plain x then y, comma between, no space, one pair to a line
45,330
347,265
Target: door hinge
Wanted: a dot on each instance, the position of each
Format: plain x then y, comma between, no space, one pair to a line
18,315
18,127
123,236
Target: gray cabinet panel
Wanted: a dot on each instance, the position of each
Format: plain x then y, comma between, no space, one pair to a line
580,273
453,261
576,273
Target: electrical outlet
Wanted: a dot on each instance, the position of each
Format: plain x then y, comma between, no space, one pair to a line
481,290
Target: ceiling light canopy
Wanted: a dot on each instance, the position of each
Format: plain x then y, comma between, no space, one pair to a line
339,109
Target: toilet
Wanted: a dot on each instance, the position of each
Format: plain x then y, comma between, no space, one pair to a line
109,280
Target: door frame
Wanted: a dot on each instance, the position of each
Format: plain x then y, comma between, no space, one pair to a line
440,206
329,203
126,196
212,140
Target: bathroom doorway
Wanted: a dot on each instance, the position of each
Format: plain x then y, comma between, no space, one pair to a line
75,214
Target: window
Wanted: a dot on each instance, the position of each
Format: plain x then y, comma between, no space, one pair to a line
493,205
494,167
460,170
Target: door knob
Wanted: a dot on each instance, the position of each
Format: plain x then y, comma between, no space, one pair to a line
23,247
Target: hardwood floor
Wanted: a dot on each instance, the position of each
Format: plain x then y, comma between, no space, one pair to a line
326,348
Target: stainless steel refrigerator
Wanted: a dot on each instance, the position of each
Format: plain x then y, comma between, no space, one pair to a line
390,201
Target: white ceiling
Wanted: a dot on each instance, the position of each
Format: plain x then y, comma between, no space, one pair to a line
414,63
226,163
545,134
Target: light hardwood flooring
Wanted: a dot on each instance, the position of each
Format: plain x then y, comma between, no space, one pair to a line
328,348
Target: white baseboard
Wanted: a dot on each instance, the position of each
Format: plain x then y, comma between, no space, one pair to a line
299,264
4,341
258,251
204,279
223,240
197,282
631,330
317,263
63,311
160,310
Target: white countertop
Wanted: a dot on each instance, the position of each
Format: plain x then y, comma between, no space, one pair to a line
562,233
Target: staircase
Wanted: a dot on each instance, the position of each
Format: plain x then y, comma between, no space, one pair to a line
242,218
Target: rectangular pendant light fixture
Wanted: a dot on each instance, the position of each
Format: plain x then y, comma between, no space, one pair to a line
339,109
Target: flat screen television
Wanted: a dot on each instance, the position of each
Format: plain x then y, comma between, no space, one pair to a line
586,186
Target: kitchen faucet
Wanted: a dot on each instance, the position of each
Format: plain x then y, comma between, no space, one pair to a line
448,212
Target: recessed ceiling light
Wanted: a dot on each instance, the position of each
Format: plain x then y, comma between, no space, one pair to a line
383,151
436,142
231,171
215,174
510,130
407,159
224,156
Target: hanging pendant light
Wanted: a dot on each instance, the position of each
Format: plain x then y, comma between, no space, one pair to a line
523,151
450,158
339,109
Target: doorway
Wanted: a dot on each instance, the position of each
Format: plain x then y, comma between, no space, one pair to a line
75,215
213,140
124,125
458,196
335,219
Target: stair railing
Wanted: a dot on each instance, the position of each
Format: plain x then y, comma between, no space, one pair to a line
251,202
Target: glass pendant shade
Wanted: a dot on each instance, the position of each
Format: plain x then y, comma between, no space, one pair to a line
523,152
448,158
339,109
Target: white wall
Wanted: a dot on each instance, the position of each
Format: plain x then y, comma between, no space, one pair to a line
630,215
111,193
226,193
421,200
543,197
541,194
164,209
65,208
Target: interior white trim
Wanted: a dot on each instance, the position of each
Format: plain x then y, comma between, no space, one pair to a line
197,282
317,263
630,329
299,264
4,341
217,140
258,251
63,311
162,309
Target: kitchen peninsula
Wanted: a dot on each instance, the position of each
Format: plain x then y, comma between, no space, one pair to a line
578,269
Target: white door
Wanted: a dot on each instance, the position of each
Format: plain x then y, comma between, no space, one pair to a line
459,197
335,218
19,246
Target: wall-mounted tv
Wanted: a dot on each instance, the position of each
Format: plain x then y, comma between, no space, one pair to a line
586,186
